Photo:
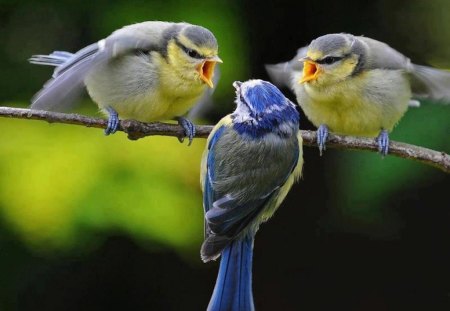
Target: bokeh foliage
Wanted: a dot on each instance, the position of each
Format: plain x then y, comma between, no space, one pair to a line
370,181
65,180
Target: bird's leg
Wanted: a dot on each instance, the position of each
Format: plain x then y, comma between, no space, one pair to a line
383,142
113,121
322,136
188,127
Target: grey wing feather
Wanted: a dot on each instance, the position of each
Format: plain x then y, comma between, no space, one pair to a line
226,220
281,74
79,57
382,56
56,58
62,54
242,187
60,92
427,82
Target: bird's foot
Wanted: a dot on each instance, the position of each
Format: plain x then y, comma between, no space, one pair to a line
383,142
188,127
322,136
113,121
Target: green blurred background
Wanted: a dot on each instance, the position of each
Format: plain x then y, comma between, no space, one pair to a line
89,222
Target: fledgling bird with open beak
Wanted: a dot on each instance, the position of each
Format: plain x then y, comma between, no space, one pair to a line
357,86
149,71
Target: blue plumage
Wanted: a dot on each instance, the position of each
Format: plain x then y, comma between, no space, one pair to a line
252,158
208,193
233,291
267,108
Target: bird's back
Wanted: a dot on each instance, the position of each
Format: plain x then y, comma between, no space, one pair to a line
260,163
254,173
379,55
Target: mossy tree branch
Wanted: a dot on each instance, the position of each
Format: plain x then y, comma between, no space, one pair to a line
136,130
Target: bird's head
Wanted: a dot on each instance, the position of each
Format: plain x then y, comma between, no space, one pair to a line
194,51
331,59
262,108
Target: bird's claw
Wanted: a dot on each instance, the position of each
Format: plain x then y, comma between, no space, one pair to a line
383,142
322,136
189,129
113,121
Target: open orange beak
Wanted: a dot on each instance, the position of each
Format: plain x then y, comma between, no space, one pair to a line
206,70
310,71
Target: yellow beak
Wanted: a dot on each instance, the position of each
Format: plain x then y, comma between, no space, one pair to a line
310,71
206,70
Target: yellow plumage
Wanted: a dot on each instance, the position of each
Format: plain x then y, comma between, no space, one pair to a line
284,190
361,105
147,71
175,86
224,121
354,85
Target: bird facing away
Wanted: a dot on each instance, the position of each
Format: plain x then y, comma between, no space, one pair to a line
147,71
253,157
357,86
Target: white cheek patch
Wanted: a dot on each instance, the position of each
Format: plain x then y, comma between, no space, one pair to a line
242,113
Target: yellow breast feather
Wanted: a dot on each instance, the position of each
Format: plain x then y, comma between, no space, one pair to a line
361,105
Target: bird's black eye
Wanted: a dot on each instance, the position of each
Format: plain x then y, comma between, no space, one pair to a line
142,52
329,60
192,53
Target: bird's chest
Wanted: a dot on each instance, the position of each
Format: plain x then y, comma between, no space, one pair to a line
181,96
340,109
356,108
162,102
179,90
155,91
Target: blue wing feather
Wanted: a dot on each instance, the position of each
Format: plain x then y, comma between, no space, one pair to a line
229,218
253,163
208,197
226,217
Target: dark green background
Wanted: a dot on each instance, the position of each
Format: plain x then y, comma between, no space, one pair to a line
89,222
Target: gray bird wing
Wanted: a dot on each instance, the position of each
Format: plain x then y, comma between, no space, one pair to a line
426,82
243,179
56,58
432,83
60,92
281,74
379,55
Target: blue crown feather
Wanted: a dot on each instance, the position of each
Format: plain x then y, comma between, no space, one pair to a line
262,108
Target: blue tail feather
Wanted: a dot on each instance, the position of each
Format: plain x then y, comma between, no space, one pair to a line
233,290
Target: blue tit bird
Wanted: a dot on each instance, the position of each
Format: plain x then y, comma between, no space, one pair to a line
149,71
253,157
357,86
